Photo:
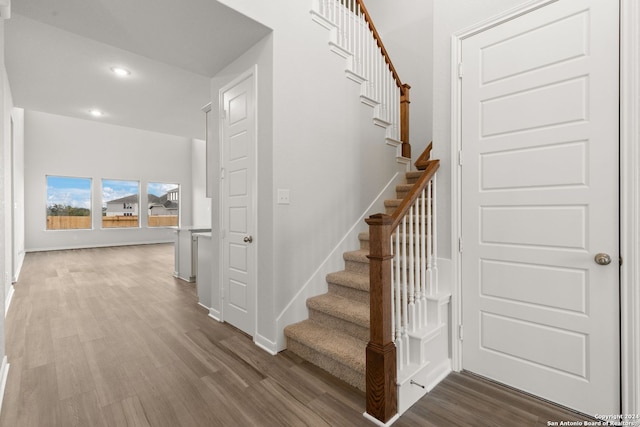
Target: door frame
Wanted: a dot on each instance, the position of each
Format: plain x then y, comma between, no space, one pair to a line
251,73
629,190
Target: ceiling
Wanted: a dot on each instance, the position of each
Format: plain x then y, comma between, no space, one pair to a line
59,55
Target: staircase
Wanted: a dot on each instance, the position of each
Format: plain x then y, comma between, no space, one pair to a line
335,335
383,324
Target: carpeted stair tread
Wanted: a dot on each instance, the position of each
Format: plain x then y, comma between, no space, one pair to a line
403,188
357,261
358,256
349,279
341,308
413,176
341,347
392,203
363,237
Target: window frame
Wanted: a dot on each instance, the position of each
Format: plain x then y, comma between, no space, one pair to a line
177,186
47,204
126,205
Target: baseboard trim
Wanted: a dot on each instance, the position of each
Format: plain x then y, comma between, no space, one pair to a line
380,423
215,315
265,344
4,374
104,245
16,274
7,301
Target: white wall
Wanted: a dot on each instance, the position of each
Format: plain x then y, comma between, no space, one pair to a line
17,115
323,147
63,146
5,212
451,16
7,159
201,215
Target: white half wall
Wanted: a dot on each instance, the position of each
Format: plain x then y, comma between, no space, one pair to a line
64,146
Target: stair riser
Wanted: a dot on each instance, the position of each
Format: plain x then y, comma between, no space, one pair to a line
339,324
351,293
357,267
412,177
334,367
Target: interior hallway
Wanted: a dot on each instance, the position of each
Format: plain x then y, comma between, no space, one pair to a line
107,337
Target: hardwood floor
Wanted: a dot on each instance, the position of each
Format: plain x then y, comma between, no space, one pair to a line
107,337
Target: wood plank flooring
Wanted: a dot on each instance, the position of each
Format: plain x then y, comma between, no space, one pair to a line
107,337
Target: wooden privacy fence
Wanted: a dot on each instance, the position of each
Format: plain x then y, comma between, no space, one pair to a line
119,221
68,222
163,220
84,222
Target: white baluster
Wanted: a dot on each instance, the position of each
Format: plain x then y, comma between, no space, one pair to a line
412,279
424,236
343,25
435,236
332,11
420,259
405,296
398,297
393,294
361,25
389,97
370,43
430,238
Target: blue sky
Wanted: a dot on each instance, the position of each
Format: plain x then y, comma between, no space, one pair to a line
159,189
113,189
75,192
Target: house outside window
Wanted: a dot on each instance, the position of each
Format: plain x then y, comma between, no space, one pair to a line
120,206
163,204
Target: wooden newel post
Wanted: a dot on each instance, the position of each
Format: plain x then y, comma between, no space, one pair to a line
404,120
381,386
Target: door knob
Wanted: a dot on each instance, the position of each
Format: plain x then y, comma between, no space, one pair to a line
249,239
602,259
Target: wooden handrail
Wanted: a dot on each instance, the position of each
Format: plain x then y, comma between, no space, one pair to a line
414,193
404,88
423,161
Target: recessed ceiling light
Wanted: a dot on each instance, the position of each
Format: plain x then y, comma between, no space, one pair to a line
96,113
119,71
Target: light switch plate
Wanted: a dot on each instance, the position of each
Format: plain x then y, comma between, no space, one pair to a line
283,196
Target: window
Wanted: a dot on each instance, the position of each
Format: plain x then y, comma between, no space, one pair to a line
120,205
164,204
68,203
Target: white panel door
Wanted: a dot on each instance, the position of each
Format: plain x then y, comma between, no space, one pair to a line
238,200
540,200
